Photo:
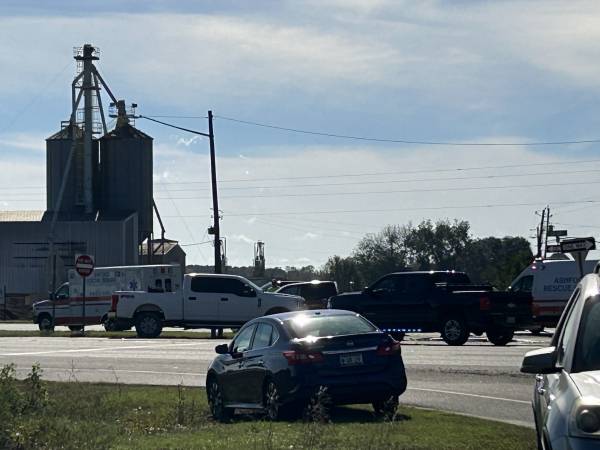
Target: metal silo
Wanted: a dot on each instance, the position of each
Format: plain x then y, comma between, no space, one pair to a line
58,148
126,174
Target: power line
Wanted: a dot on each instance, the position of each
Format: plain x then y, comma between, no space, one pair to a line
396,172
304,214
355,183
395,191
406,140
365,174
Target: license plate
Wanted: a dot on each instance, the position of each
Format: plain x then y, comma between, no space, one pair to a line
510,320
351,359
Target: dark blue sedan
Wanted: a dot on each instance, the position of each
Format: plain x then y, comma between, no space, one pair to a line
277,364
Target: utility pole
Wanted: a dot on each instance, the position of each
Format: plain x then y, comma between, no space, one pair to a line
547,229
213,174
540,232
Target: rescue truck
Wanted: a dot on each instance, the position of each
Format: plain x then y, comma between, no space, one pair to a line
66,305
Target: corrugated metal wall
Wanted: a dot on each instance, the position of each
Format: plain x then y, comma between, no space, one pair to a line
24,249
126,171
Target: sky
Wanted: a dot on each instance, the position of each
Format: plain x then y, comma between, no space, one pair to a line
464,72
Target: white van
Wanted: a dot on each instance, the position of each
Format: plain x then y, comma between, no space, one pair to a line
65,306
550,283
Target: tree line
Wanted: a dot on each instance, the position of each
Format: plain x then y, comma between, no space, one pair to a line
441,245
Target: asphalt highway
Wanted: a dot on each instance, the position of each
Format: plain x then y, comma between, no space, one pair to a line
477,379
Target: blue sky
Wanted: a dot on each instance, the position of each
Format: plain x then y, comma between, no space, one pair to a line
515,71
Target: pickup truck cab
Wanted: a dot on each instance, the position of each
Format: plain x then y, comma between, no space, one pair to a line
439,301
205,301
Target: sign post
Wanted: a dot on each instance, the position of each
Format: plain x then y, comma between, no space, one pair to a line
579,249
84,265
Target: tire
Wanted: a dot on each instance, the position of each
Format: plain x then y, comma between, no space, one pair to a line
110,325
386,408
537,331
45,323
75,327
276,311
216,402
454,330
500,336
271,401
148,325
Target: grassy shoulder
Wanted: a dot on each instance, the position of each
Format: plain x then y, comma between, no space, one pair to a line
36,414
111,334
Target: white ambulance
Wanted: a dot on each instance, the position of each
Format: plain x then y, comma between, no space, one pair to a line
551,283
66,305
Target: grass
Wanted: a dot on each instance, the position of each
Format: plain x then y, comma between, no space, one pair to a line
82,415
112,334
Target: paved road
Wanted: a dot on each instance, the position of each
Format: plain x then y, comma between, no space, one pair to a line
477,379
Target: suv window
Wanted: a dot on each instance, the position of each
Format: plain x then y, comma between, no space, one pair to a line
588,347
567,335
262,338
293,290
242,341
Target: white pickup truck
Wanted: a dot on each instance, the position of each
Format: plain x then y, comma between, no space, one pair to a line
205,301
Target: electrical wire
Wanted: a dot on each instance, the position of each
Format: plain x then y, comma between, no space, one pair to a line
306,214
406,140
396,172
355,183
396,191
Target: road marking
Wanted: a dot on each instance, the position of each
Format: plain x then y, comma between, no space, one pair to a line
488,397
84,350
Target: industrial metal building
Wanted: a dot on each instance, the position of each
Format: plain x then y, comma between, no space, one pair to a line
99,196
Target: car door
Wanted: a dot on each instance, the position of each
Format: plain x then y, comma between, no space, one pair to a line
410,308
550,387
254,366
233,390
376,304
239,302
201,303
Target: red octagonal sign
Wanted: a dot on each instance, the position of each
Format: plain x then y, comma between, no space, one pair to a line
84,265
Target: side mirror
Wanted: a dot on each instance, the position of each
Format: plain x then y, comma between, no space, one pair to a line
50,295
222,349
367,290
540,361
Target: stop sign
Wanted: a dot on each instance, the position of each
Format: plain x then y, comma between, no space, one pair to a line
84,265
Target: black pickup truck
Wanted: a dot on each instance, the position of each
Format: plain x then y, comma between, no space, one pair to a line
439,301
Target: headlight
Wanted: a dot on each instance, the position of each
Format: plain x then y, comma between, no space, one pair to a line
585,418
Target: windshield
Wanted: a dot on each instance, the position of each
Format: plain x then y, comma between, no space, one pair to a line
588,352
318,326
255,287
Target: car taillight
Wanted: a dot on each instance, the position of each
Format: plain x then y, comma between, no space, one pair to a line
115,300
295,357
485,304
391,348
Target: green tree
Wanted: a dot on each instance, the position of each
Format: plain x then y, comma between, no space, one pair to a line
496,260
344,271
379,253
440,245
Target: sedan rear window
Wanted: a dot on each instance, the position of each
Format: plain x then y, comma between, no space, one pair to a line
319,326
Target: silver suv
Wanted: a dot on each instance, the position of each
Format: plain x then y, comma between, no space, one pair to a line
566,397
